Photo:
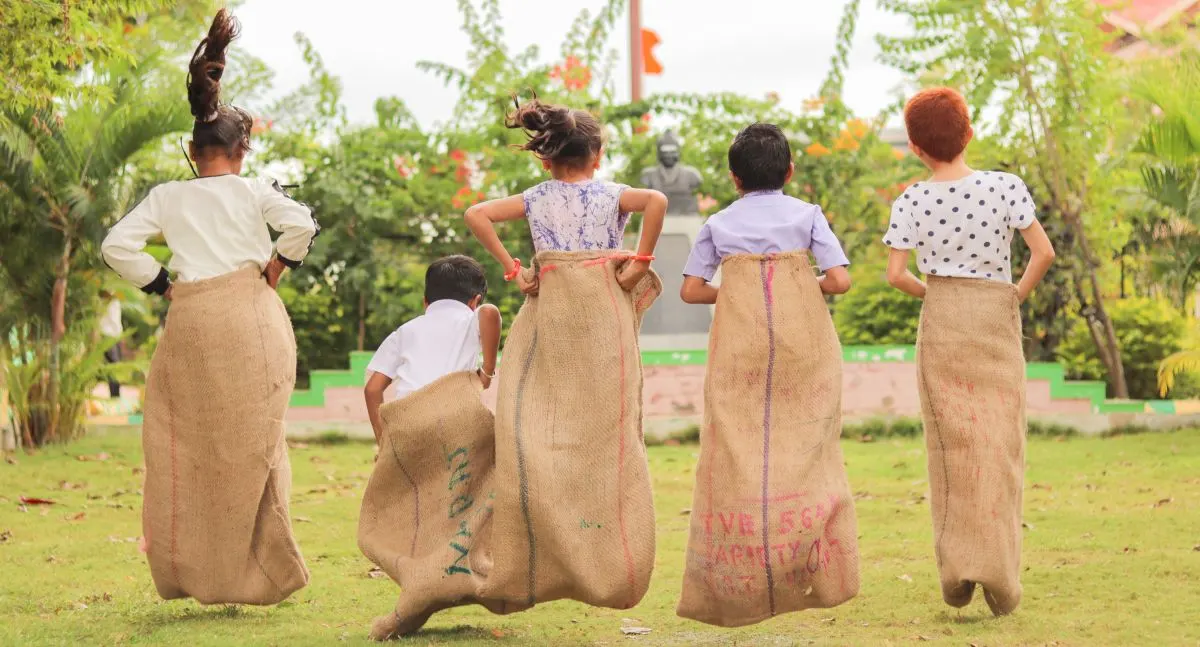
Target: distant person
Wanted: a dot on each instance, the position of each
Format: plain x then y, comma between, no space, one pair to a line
449,337
215,515
971,368
110,328
772,404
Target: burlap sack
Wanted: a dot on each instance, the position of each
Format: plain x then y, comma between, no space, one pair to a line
215,513
574,515
971,376
427,510
773,527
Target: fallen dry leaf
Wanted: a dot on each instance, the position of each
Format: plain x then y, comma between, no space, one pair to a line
95,457
1026,525
376,573
302,519
52,560
904,578
67,485
685,511
36,501
496,633
7,534
1039,486
10,460
1129,549
1162,502
635,631
296,445
78,516
1195,548
139,471
924,638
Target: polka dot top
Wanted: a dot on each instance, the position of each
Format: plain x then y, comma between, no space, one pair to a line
962,228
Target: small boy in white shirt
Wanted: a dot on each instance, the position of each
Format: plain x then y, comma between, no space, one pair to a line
456,327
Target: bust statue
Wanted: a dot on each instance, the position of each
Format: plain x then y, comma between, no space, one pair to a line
678,181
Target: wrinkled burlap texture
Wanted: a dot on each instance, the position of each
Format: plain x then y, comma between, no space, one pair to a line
574,513
427,510
215,513
773,527
971,377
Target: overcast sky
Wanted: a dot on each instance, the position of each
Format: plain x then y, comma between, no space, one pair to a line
747,46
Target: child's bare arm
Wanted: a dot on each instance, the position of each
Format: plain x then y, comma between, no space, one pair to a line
490,324
698,291
1041,255
836,280
373,393
900,278
653,207
480,219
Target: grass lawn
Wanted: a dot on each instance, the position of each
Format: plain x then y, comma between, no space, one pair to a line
1112,557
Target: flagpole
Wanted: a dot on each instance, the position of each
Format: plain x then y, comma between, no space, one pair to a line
635,50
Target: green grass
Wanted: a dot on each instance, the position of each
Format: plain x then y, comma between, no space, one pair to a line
1112,557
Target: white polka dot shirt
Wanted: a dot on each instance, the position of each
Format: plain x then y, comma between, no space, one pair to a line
962,228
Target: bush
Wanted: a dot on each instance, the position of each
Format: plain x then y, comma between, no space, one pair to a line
875,313
1147,331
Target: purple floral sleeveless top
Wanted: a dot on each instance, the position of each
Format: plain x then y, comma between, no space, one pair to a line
568,217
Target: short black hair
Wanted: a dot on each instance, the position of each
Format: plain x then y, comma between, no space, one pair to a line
457,277
760,157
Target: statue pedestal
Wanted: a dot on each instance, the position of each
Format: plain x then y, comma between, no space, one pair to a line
672,324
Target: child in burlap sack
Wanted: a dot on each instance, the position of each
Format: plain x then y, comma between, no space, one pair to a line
456,328
425,510
573,512
215,517
971,367
773,527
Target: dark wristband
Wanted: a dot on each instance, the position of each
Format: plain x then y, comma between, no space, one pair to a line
288,262
160,283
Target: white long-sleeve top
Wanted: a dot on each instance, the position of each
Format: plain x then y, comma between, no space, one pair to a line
213,226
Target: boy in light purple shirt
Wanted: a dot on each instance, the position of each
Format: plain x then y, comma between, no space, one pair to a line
763,220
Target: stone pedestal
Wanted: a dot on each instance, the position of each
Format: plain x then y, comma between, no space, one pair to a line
672,324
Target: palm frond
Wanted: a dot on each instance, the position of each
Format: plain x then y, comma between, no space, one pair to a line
1187,361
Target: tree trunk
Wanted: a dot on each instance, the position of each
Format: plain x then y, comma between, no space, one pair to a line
1100,326
362,320
58,329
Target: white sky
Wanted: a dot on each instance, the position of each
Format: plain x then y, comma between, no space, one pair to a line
751,47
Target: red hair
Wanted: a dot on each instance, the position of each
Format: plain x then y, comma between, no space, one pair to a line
939,123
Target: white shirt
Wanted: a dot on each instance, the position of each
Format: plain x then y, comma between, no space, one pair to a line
444,340
110,323
213,226
962,228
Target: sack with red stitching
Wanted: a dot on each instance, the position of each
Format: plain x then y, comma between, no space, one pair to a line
773,527
573,512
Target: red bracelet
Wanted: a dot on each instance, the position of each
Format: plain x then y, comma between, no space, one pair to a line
516,269
638,257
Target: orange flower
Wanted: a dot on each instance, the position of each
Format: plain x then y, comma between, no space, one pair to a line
899,153
573,73
644,126
817,149
857,128
814,104
462,173
458,155
845,142
402,167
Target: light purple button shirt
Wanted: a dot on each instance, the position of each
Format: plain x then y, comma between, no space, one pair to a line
764,222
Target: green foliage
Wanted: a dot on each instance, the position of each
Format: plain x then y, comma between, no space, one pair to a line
873,312
1038,80
1148,330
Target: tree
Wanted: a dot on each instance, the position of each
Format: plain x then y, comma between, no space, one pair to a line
1040,65
63,178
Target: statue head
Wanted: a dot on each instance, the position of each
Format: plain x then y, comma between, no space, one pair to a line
668,150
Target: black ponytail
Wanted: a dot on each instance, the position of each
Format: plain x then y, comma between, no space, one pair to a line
557,133
217,125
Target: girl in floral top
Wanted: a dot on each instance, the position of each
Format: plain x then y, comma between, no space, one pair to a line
572,211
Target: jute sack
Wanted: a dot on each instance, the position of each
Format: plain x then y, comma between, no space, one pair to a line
574,515
971,376
427,509
773,527
215,513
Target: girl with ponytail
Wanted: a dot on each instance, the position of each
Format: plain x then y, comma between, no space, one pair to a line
215,515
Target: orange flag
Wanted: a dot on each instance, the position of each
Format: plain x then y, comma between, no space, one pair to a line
650,40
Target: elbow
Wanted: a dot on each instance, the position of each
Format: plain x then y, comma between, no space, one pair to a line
1050,255
474,214
893,277
841,285
688,296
